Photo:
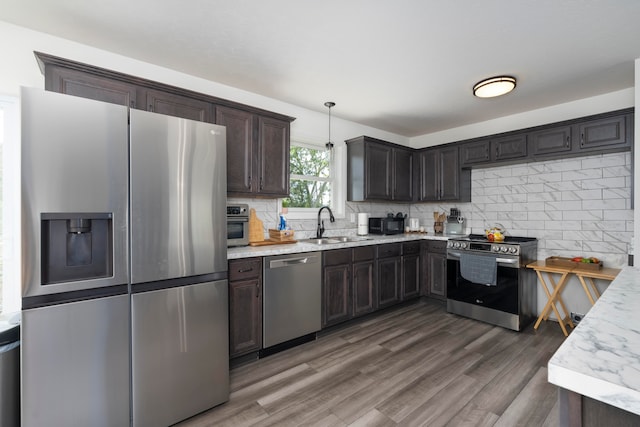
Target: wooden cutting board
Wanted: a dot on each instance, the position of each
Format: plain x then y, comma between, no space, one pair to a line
256,228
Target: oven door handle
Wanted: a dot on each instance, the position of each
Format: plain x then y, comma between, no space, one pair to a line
499,260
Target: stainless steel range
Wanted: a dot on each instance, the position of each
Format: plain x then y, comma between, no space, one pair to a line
489,281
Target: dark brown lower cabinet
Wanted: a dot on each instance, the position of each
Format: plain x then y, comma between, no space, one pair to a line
410,270
245,306
348,284
363,285
583,411
336,280
389,274
437,269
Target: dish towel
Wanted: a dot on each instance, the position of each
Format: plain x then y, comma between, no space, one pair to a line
479,269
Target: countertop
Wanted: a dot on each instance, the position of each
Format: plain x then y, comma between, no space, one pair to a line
301,246
601,357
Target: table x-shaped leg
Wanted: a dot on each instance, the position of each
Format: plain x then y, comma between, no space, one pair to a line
552,297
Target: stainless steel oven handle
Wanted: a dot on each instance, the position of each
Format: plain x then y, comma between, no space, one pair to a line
507,261
500,260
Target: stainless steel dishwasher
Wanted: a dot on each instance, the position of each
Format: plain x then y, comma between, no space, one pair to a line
291,297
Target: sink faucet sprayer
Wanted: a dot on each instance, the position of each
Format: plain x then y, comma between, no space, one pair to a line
320,228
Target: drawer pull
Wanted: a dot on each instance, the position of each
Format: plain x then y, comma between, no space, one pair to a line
246,270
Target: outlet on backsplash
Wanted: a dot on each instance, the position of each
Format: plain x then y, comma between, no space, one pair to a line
576,317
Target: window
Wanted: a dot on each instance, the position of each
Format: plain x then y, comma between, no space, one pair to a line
311,181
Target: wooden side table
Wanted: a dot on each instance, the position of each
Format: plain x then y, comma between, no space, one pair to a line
604,274
557,287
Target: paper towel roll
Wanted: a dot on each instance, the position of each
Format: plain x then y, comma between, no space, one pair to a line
363,224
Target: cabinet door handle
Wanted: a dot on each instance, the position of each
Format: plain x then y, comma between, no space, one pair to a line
245,270
257,290
249,181
582,139
568,142
261,183
132,104
151,107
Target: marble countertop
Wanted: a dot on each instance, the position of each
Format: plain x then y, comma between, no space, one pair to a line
601,357
302,246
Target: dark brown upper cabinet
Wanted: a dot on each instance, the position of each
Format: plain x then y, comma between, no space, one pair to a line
609,132
257,153
87,85
440,176
493,150
178,106
378,170
509,148
551,141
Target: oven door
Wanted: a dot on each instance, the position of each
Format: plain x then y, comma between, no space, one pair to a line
502,297
237,232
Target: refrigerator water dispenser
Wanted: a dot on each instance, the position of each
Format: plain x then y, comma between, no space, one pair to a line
76,246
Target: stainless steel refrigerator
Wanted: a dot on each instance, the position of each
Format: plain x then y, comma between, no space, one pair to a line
125,305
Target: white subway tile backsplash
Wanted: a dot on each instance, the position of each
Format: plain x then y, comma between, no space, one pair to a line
582,195
578,206
542,177
615,171
562,186
581,174
614,182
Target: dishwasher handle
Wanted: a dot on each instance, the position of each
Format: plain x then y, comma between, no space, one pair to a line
287,262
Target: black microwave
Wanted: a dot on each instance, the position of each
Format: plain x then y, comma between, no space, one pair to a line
386,225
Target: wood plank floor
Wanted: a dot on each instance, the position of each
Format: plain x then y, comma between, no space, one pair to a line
412,366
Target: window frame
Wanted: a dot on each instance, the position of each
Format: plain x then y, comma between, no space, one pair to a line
336,205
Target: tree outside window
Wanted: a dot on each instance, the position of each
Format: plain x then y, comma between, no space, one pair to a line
310,181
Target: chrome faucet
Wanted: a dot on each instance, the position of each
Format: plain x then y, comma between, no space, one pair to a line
320,228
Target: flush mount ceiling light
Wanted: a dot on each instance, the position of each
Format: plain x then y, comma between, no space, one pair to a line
495,86
329,104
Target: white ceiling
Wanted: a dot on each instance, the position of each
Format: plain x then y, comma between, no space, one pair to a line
404,66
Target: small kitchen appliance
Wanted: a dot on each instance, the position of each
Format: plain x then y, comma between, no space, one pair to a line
237,225
363,224
455,224
489,281
387,225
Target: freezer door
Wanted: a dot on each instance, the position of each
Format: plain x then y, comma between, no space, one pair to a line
75,364
74,160
178,197
180,352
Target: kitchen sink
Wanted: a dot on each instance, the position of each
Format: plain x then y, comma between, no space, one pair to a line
337,239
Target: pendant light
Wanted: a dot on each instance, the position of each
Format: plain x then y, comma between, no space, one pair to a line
494,86
329,144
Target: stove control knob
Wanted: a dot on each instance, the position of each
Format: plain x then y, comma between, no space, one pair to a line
495,248
513,250
503,249
456,245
